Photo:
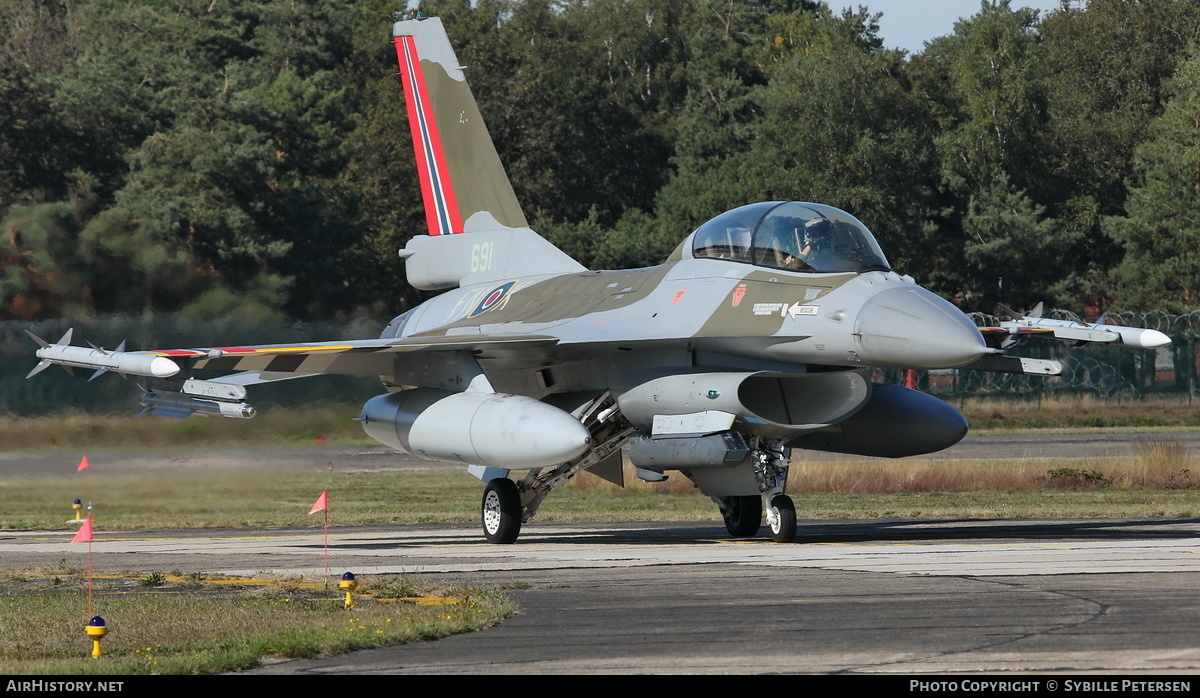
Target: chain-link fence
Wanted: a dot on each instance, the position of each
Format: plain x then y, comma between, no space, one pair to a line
1112,373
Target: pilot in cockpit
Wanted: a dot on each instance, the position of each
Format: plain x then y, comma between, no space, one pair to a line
817,240
778,244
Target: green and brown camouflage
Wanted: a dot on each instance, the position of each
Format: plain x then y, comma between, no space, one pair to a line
760,334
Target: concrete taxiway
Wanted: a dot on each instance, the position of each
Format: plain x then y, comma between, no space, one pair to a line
873,596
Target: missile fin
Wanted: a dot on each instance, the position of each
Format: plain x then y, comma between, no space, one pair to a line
66,338
70,371
99,372
38,369
41,342
1010,313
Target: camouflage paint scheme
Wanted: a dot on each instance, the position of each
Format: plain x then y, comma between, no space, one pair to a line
715,364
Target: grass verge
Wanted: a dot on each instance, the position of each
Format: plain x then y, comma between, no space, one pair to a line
194,625
1161,479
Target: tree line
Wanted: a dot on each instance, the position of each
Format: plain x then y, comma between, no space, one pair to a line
251,159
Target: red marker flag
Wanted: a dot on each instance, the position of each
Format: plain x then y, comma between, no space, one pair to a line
85,532
322,503
83,465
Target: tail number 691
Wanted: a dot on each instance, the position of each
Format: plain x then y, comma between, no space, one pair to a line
481,256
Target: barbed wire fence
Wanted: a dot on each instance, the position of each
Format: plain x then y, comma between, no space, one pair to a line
1105,372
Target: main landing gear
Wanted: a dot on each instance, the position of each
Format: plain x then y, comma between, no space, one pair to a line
501,511
743,516
743,513
508,504
770,460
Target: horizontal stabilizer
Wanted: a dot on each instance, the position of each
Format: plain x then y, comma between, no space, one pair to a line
450,261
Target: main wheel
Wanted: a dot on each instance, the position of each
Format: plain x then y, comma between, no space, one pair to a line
743,515
782,517
501,511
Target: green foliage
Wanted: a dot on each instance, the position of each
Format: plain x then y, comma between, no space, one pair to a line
154,579
1161,230
992,113
42,268
840,126
254,159
1013,249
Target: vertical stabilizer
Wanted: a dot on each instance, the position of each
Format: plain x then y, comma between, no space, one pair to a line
463,184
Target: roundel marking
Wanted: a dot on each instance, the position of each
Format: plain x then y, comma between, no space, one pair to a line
493,298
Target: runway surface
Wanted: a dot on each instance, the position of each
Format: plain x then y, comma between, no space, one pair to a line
850,597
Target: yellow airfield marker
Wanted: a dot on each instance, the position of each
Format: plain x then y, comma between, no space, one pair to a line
348,585
96,629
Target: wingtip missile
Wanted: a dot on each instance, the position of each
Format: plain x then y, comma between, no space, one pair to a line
1081,331
123,362
1149,339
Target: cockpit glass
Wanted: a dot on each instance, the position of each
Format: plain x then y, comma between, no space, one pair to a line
794,235
728,235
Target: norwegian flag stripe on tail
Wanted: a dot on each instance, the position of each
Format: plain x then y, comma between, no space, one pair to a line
441,208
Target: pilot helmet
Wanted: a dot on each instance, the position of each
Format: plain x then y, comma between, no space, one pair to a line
817,231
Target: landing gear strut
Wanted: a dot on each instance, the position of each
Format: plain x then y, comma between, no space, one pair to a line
771,460
507,504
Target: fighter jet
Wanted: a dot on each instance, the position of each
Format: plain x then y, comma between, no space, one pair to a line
756,336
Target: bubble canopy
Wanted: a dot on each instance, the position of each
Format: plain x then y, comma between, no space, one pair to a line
792,235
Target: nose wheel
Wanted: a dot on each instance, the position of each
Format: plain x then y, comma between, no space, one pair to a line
502,511
781,516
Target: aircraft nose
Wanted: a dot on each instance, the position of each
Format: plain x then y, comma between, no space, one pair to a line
914,328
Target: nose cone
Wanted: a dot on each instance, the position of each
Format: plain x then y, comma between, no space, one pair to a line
1152,339
163,368
913,328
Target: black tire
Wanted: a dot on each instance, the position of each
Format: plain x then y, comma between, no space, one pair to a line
783,524
501,511
743,515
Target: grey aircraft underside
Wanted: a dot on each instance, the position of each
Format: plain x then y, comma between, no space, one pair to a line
757,336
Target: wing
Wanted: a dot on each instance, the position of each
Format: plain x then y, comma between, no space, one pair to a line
170,387
363,357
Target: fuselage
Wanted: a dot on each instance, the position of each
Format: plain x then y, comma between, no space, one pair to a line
729,312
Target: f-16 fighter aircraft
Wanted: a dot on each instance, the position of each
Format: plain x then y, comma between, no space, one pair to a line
755,337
